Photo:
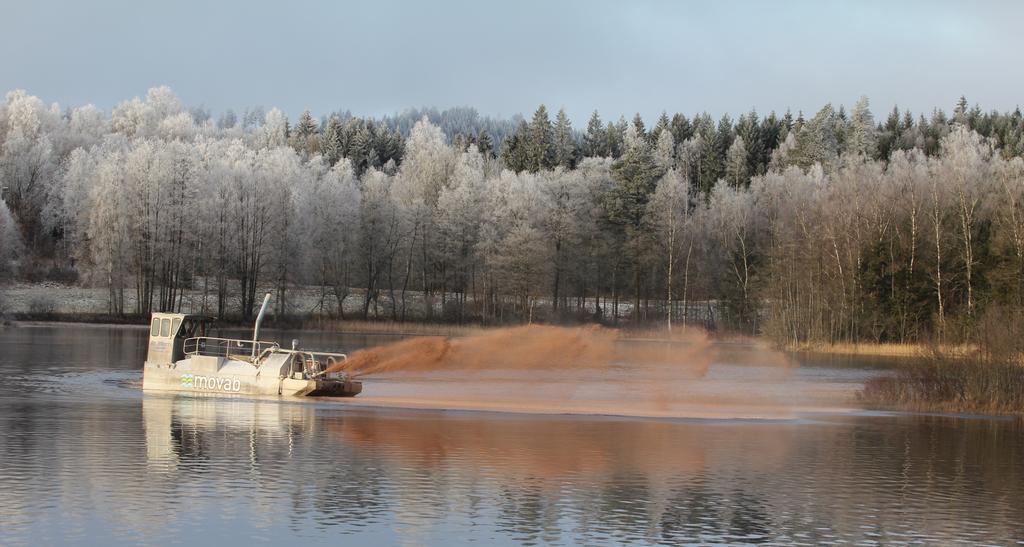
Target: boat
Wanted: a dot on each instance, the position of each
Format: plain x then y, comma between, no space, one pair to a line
182,358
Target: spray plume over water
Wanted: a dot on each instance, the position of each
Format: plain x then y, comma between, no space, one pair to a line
582,370
528,348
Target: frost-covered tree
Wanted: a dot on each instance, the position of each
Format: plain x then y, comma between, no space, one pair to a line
636,174
484,144
331,146
668,215
967,166
426,170
816,141
379,232
11,249
274,131
564,141
861,140
461,213
665,150
595,139
428,161
87,127
514,249
920,234
142,118
736,163
327,211
568,203
179,126
28,160
1008,214
109,228
305,138
515,151
734,221
540,151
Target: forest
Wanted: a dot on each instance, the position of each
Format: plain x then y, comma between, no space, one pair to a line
835,227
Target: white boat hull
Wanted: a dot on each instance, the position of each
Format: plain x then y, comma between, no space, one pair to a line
227,376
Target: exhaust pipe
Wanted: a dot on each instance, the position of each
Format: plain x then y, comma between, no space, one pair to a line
259,320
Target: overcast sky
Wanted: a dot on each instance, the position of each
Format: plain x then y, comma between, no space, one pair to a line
620,57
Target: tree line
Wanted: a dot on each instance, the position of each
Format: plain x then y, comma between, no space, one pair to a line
829,228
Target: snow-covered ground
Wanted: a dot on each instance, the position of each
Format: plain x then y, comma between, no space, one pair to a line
60,299
50,298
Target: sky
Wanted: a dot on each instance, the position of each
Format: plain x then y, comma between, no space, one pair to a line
503,58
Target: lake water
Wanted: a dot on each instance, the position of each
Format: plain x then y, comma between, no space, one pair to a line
86,457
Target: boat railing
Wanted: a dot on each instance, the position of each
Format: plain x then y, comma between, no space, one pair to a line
315,363
228,347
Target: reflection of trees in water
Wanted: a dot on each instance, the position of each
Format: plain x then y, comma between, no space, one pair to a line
626,509
187,443
621,480
526,514
749,517
697,511
348,491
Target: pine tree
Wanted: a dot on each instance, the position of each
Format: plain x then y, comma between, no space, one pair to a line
889,135
665,149
636,176
631,138
613,140
786,126
736,169
908,120
484,144
330,141
307,126
621,126
540,149
638,123
709,169
594,141
565,144
662,125
771,137
515,153
861,139
304,138
841,128
725,134
361,150
749,129
816,141
960,111
682,129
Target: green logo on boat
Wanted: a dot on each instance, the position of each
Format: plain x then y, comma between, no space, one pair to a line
211,383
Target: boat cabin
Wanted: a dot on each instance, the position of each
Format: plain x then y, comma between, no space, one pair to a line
168,332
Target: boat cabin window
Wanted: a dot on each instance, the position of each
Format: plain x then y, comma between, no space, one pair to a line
178,327
191,328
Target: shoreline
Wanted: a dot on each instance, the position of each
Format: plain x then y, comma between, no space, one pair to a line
908,350
862,349
421,328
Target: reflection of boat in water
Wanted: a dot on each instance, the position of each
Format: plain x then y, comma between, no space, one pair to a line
179,428
183,358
